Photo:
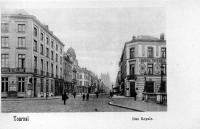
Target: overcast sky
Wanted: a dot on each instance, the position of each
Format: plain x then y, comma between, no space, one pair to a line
98,34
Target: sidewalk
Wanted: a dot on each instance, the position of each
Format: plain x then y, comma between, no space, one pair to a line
21,99
130,103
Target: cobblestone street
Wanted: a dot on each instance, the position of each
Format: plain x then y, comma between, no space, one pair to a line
56,105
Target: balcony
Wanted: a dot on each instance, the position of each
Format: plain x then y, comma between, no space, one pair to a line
13,70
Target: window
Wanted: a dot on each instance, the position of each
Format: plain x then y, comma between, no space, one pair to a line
164,69
35,45
132,53
61,60
51,68
163,52
47,66
21,28
35,62
4,84
42,36
4,27
41,49
61,51
47,40
35,32
21,42
52,44
60,71
21,60
56,47
52,55
47,52
150,52
56,70
56,57
132,69
42,85
4,42
150,69
42,63
21,84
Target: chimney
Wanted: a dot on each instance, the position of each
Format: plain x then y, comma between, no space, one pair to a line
162,36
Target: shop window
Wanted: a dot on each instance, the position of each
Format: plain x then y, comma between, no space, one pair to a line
149,87
42,85
21,84
4,84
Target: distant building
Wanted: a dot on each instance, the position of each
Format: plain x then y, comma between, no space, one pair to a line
105,78
31,57
140,66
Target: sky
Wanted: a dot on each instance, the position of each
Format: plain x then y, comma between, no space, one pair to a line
98,34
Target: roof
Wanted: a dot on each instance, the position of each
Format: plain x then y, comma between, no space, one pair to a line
23,14
145,38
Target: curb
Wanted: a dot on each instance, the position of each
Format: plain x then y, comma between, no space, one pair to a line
22,99
110,103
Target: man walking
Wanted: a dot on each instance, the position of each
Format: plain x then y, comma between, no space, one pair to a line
87,97
74,94
64,97
83,96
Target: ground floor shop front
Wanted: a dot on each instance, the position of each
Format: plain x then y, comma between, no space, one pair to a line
147,84
29,85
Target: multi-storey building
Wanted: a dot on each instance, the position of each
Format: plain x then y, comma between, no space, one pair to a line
84,80
142,61
31,57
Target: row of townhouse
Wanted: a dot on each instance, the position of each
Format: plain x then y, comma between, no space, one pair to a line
33,63
31,57
142,67
77,79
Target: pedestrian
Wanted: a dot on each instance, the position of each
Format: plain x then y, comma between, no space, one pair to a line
74,94
97,94
87,97
83,97
64,97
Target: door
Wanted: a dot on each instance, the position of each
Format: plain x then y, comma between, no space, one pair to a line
150,86
34,87
132,89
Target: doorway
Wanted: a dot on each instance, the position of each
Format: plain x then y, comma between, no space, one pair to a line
34,87
132,89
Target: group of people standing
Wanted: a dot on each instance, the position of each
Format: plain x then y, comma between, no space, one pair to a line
84,96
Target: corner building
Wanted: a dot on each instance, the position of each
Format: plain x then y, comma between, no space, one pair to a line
140,65
31,57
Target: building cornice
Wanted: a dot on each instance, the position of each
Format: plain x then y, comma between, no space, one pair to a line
35,20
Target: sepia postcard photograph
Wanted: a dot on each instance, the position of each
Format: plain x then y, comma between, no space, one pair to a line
96,60
101,64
